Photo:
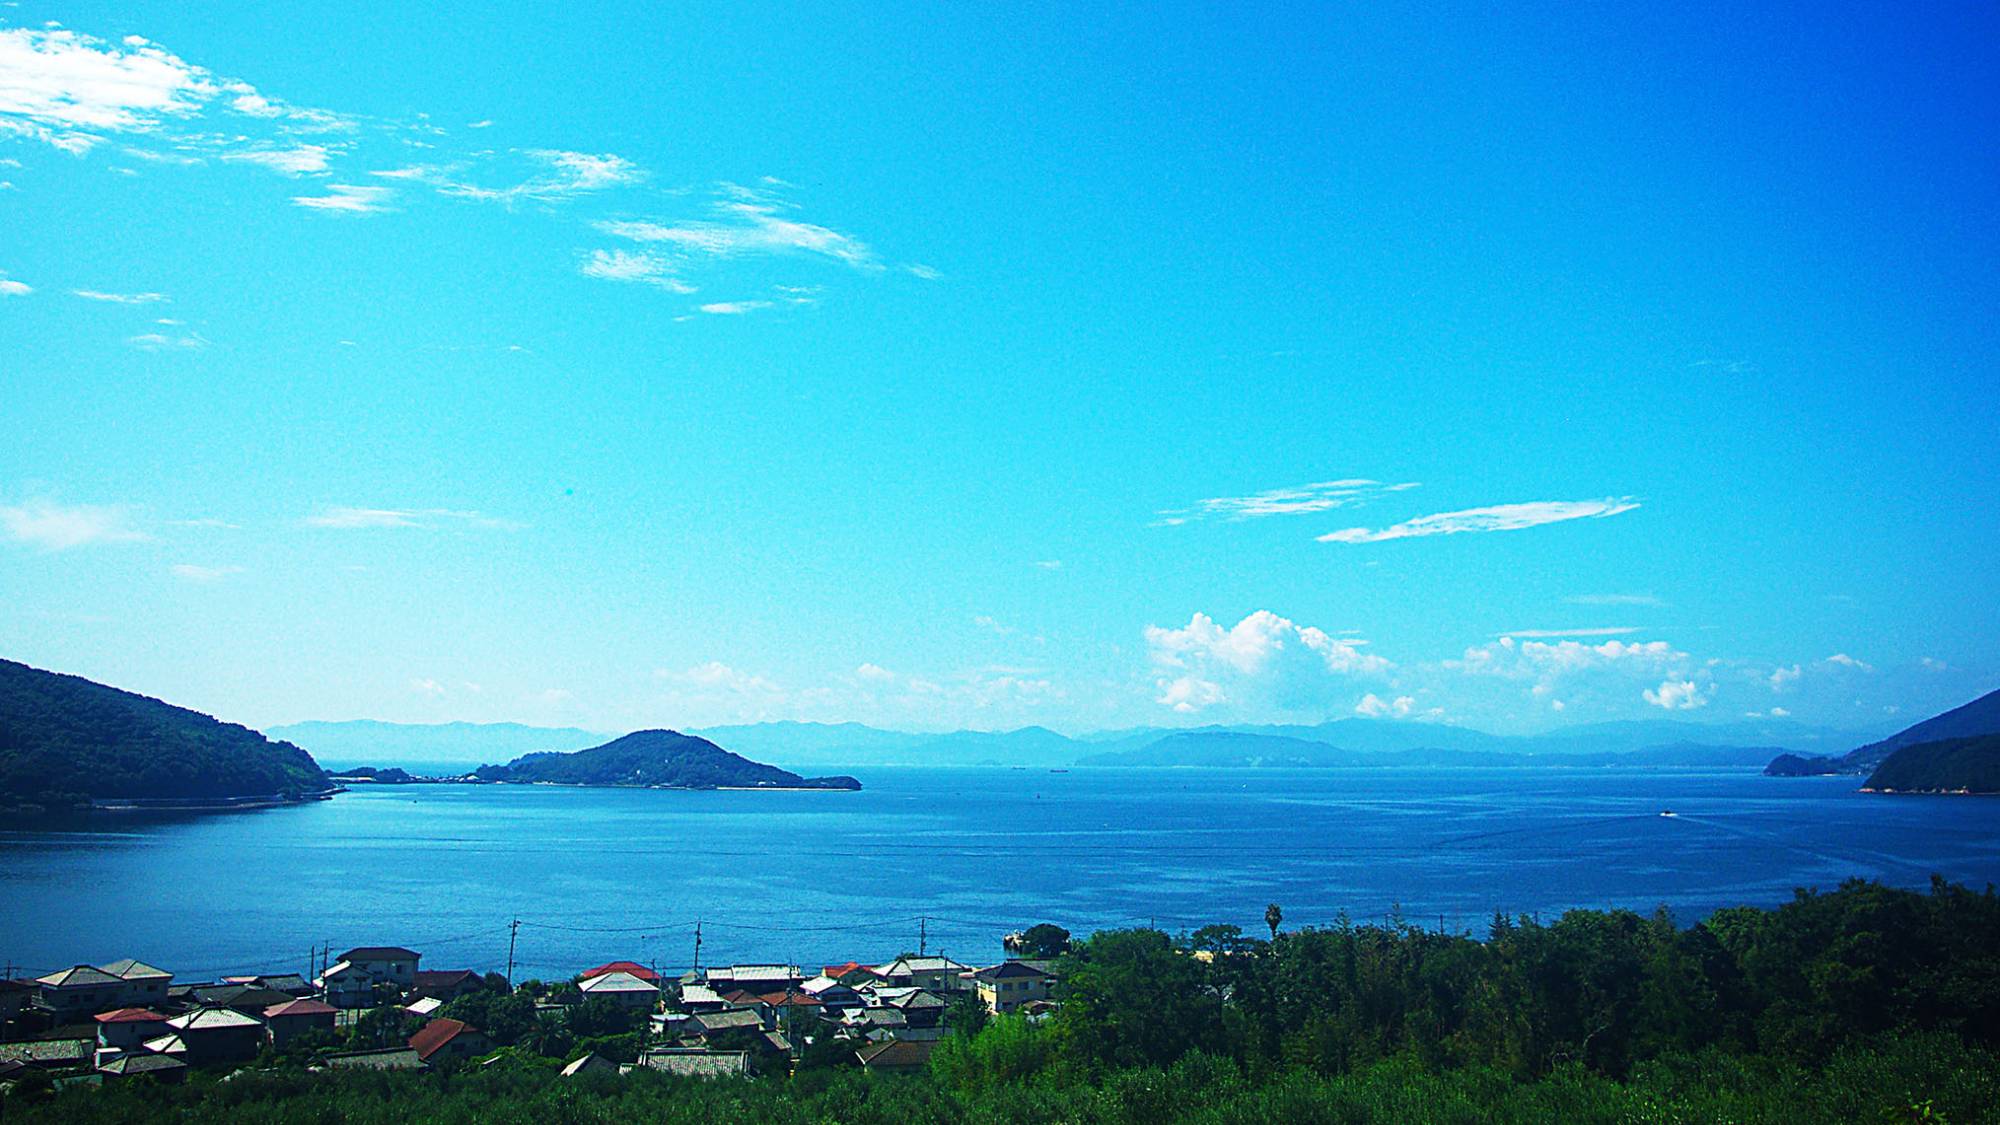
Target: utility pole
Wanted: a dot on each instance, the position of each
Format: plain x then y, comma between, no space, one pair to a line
697,948
513,931
923,935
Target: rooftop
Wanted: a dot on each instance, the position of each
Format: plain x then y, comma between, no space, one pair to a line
435,1034
299,1008
211,1019
380,953
632,967
81,976
131,1015
129,969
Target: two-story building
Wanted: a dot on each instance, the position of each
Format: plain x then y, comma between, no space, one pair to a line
934,974
350,982
1010,984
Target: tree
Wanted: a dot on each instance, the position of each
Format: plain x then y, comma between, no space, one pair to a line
1040,942
1273,916
965,1013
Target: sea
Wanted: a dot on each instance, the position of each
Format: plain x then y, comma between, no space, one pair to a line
942,861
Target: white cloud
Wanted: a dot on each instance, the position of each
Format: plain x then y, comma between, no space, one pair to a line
734,308
1304,499
748,222
1048,564
157,342
1500,517
1780,713
628,265
119,298
1842,660
297,160
347,518
1375,707
57,527
1598,631
1679,695
63,88
353,199
1933,664
874,673
1782,678
1262,662
195,573
11,288
926,272
427,686
1617,600
562,175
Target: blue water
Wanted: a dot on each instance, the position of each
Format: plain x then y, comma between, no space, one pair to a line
825,877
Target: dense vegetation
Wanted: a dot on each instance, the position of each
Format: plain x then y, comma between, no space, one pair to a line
65,740
1979,717
657,757
1867,1004
1970,765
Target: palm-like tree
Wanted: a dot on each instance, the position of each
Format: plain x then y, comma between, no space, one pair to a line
1273,916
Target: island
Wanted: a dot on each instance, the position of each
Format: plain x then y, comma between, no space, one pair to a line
1952,765
655,759
69,744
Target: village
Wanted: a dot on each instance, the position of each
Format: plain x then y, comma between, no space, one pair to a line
376,1007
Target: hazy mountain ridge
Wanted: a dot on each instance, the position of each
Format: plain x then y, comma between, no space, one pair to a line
1971,720
470,744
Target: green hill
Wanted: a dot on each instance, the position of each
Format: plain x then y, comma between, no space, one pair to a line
66,741
657,758
1952,765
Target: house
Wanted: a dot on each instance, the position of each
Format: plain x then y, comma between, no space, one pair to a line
622,989
872,1019
920,1007
696,1062
852,972
291,984
937,974
831,993
288,1021
144,984
447,984
83,990
387,1058
50,1054
126,1029
159,1068
705,1024
1010,984
633,967
592,1063
701,998
217,1035
754,978
444,1039
15,996
895,1055
381,964
425,1008
250,999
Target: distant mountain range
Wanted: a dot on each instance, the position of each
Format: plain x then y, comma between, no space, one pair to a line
656,758
1356,741
1952,765
66,741
469,744
1979,717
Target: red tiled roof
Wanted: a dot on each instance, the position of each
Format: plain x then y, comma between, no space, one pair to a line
838,971
299,1008
131,1015
633,967
740,996
435,1034
789,998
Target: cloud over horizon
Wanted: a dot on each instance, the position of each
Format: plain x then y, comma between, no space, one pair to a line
1499,517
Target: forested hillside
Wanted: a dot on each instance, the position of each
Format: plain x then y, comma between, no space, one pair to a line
65,740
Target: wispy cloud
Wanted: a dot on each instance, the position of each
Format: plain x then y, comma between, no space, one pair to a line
58,527
746,221
353,199
560,175
734,308
296,160
638,266
1500,517
347,518
1647,600
1301,500
195,573
11,288
160,342
119,298
1599,631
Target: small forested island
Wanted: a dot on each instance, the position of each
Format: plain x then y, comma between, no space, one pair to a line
658,759
1979,717
67,743
1953,765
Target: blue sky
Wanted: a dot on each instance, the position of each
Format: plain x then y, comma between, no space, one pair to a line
622,367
